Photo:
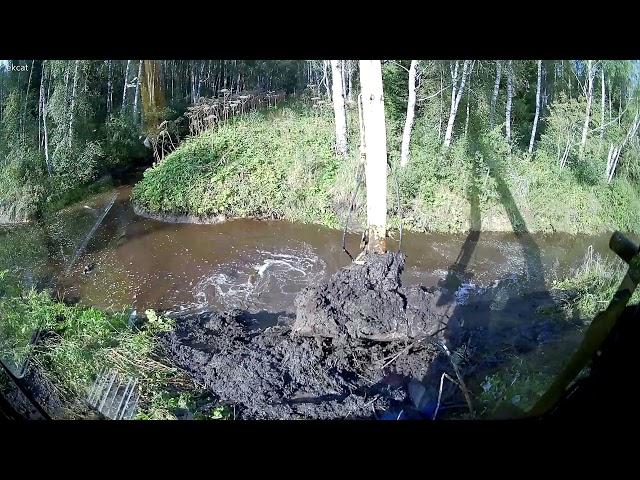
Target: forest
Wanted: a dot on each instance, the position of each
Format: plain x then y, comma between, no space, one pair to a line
133,190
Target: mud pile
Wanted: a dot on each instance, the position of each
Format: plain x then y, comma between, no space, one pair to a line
359,346
274,374
368,302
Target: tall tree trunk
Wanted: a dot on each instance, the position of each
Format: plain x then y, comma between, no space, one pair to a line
109,87
173,74
602,102
137,94
73,101
441,103
44,122
325,78
614,152
66,83
343,76
456,95
350,62
408,124
610,102
338,108
26,101
40,105
535,119
466,118
587,117
200,80
509,100
126,85
494,96
375,139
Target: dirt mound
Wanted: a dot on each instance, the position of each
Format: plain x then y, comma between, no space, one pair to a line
359,346
273,374
369,302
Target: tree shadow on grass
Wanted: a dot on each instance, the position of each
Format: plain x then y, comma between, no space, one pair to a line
499,325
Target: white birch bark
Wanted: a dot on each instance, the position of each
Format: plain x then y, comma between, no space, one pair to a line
408,124
537,115
614,152
587,117
40,105
610,101
509,100
73,101
375,138
137,94
44,123
126,85
602,102
109,87
338,108
343,76
325,78
441,104
456,95
26,101
350,97
494,96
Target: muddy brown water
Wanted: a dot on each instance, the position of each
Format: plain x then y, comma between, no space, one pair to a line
261,265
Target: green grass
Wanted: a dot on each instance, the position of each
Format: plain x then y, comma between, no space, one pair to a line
80,341
594,284
280,164
516,386
270,164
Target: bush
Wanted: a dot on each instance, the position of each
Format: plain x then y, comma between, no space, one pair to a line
121,142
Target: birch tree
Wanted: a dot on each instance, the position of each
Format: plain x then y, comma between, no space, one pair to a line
509,100
457,91
137,94
26,101
109,87
602,104
408,124
614,151
338,108
126,85
589,94
537,115
325,78
350,64
494,96
73,101
375,148
43,100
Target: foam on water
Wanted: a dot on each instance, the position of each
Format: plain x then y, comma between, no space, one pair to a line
260,280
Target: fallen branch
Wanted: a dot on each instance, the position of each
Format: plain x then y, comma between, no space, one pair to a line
461,384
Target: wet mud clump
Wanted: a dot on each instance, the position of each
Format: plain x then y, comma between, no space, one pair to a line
359,347
368,302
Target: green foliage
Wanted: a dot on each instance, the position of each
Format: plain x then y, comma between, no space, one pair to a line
277,163
80,341
512,389
121,142
594,284
196,405
280,164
